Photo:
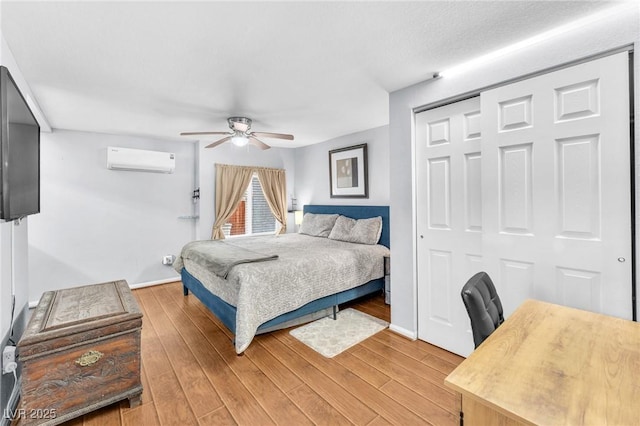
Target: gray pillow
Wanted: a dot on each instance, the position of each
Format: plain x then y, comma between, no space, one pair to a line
317,225
361,231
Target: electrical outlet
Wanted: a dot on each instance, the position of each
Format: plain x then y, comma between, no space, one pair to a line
8,355
168,259
9,364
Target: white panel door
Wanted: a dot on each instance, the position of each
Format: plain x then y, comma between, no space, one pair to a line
449,219
556,181
545,209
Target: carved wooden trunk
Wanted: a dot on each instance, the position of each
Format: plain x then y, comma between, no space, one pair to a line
80,352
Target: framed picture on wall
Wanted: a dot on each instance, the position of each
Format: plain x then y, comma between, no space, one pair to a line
348,172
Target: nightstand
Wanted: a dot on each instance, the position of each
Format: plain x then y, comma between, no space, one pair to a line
387,280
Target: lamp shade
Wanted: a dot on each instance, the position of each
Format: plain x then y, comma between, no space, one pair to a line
298,217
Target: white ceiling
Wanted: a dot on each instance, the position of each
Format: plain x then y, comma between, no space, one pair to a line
318,70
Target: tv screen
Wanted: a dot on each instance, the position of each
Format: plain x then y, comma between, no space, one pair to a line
19,153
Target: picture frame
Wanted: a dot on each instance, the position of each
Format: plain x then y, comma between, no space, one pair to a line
348,172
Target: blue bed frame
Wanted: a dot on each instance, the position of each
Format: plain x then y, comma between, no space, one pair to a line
227,313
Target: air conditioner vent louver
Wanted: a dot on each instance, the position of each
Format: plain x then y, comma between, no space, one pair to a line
140,160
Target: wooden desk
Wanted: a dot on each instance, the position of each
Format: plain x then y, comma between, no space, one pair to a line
553,365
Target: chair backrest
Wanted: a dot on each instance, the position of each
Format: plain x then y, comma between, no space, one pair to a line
483,306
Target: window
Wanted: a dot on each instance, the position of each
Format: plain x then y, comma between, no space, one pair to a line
253,215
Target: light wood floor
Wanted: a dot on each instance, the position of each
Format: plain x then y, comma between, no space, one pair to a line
192,375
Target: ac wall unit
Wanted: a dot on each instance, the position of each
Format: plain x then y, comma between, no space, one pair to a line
140,160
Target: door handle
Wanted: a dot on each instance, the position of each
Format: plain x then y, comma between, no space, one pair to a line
621,259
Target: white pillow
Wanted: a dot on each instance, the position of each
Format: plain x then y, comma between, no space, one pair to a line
317,225
361,231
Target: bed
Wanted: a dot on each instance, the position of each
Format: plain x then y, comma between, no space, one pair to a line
239,301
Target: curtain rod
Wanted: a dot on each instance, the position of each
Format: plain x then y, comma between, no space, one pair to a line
249,167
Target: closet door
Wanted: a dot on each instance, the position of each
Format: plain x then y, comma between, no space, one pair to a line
449,219
533,186
556,188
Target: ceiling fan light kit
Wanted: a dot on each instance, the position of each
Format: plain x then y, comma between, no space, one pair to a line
239,140
240,134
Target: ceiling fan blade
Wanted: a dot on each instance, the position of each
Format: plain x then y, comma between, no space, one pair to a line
203,133
272,135
221,141
255,141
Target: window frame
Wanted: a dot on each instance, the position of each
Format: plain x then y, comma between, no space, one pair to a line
248,212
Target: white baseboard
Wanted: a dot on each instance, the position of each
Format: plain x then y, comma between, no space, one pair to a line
34,303
152,283
403,332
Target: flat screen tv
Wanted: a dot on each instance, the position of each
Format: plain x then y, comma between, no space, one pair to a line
19,153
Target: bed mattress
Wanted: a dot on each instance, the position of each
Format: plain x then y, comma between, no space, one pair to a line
306,268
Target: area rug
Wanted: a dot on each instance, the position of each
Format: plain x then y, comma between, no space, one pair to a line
329,337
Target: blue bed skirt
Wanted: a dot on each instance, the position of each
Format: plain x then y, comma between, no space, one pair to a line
227,313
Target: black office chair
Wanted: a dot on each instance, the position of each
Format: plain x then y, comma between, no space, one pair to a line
483,306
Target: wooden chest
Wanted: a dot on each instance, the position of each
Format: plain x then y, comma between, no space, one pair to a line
79,352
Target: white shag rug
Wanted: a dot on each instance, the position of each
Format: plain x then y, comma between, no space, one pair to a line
329,337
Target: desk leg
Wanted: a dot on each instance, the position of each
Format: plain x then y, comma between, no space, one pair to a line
475,413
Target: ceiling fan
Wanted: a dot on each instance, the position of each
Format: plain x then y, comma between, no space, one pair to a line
240,134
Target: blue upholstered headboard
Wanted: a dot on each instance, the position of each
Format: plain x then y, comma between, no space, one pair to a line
357,212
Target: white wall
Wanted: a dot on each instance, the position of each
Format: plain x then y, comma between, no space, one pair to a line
14,269
13,254
279,158
312,169
97,224
606,34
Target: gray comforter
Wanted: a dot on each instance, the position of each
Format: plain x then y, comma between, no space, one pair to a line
307,269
